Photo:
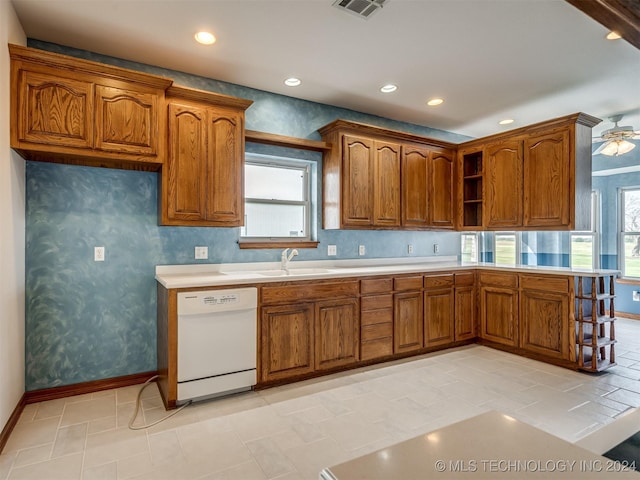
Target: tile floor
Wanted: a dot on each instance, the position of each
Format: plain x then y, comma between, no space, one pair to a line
292,432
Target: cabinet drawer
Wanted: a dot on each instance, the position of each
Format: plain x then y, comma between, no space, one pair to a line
546,283
438,281
298,292
407,283
376,302
499,279
465,279
376,316
374,332
376,348
376,285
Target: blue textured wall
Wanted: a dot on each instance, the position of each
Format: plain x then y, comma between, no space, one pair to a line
89,320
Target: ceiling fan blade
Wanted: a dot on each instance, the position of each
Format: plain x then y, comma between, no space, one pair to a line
600,148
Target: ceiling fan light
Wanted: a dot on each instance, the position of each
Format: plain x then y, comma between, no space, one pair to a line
616,147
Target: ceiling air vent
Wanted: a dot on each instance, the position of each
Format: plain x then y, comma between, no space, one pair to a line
362,8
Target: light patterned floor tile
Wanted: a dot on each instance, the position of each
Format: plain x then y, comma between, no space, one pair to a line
62,468
31,434
292,432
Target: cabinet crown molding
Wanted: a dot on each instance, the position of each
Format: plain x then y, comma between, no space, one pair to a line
72,64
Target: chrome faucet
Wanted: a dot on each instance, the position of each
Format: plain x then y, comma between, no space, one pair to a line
286,258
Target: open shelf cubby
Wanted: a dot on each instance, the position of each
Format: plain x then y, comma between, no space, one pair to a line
595,323
472,173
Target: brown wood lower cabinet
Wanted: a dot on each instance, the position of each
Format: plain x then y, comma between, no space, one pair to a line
337,339
499,308
465,306
308,327
287,339
544,316
407,322
376,331
438,310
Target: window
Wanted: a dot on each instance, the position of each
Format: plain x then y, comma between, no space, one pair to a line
585,251
469,247
277,204
629,246
506,248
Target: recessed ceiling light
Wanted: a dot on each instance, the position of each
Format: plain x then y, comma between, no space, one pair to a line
388,88
435,101
506,121
613,36
292,82
205,38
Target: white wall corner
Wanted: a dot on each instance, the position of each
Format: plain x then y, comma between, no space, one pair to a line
12,233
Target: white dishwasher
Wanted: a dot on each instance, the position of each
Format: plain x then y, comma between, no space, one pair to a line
216,342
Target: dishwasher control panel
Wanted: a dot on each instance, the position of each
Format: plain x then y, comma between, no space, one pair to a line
193,303
229,299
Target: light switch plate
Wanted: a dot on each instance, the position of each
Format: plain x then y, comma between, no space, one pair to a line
202,253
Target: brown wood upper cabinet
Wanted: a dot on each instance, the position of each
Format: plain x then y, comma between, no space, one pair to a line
503,180
375,178
69,110
533,178
372,182
427,187
202,181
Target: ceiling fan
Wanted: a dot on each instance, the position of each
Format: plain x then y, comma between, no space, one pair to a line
616,139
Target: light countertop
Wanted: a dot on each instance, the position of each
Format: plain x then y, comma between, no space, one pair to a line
213,275
490,445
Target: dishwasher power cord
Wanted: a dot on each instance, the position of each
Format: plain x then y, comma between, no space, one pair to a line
138,399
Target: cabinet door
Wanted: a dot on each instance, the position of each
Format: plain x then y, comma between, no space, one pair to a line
225,167
544,323
547,186
286,341
438,317
126,121
499,315
503,183
357,187
407,322
54,110
386,191
415,183
337,333
184,174
465,313
441,189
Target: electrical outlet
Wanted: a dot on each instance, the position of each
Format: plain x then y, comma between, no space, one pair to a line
636,296
98,254
202,253
436,248
332,250
410,248
361,250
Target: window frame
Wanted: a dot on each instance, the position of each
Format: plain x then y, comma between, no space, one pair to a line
622,233
476,240
594,233
305,167
518,245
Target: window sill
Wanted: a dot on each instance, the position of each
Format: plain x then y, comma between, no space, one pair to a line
628,281
277,244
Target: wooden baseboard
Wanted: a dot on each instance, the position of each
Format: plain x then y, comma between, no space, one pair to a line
11,423
632,316
63,391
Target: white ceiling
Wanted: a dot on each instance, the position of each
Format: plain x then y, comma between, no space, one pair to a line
530,60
